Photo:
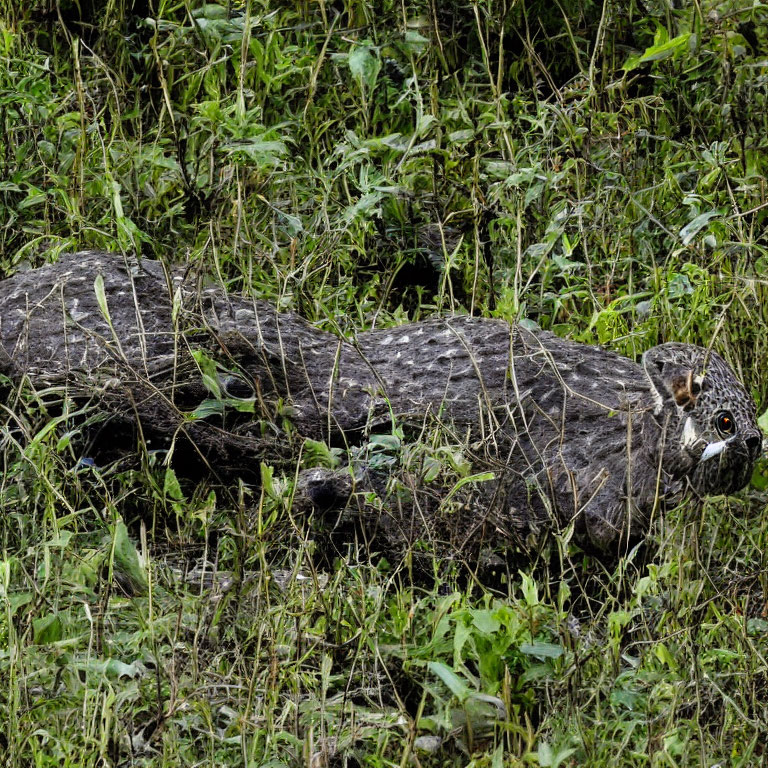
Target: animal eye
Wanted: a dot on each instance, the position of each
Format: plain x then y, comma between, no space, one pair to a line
725,423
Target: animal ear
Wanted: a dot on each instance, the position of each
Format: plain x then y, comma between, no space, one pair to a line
674,371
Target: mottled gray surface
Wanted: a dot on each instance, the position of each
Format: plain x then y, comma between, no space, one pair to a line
574,433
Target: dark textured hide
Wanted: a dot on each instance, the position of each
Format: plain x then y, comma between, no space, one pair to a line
574,434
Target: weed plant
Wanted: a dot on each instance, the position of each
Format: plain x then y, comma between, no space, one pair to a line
595,168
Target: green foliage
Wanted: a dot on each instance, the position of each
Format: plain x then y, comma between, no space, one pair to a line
594,168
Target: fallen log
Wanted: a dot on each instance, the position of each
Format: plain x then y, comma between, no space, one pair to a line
574,435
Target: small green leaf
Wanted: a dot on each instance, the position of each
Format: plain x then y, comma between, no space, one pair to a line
18,601
431,469
208,369
61,540
479,477
384,442
47,629
485,621
115,668
127,558
262,152
209,407
101,297
268,480
364,66
692,228
542,650
415,41
759,478
657,52
757,627
454,683
617,620
545,754
171,486
664,656
553,757
530,590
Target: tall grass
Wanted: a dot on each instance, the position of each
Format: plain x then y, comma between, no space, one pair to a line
597,169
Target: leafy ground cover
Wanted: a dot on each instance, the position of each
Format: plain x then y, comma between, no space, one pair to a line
596,169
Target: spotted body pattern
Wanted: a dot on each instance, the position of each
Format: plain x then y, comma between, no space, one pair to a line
573,433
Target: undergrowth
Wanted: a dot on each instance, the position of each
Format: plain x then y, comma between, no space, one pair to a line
596,169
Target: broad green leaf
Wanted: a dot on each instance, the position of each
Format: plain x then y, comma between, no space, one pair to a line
117,201
530,590
415,41
461,634
368,203
545,754
209,407
664,656
208,370
115,668
679,285
431,469
293,225
454,683
61,540
268,480
384,442
459,137
657,52
32,199
692,228
364,66
319,454
617,620
16,601
485,621
542,650
562,754
553,757
47,629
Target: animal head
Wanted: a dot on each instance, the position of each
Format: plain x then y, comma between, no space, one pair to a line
712,433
